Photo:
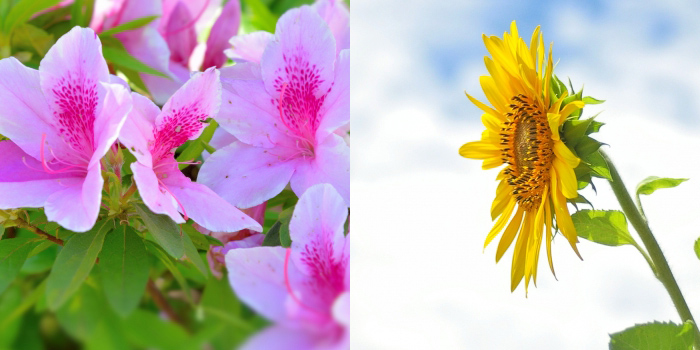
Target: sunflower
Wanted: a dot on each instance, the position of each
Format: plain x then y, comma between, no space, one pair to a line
523,131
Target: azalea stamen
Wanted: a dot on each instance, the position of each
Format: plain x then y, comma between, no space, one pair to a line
178,163
45,165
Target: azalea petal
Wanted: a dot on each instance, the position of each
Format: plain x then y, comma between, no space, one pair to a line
341,309
283,338
337,16
70,77
246,176
225,27
201,12
205,207
331,164
77,205
110,121
183,115
181,40
23,182
257,277
304,48
25,115
247,110
156,199
249,47
137,132
335,110
220,139
317,226
163,88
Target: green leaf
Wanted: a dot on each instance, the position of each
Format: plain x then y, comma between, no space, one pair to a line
9,301
219,296
122,58
124,268
81,12
74,262
607,227
598,165
106,336
164,230
29,37
272,237
592,101
24,10
653,336
697,248
193,256
260,16
80,315
13,253
195,148
27,302
284,218
148,330
131,25
170,264
653,183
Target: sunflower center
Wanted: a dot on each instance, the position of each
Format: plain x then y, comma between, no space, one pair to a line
527,149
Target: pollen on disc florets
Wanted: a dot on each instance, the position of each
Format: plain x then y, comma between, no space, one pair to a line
526,142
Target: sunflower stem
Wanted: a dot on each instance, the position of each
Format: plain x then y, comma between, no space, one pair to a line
661,270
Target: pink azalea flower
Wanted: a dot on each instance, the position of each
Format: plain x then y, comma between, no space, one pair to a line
167,44
284,113
61,119
152,136
240,239
250,47
304,289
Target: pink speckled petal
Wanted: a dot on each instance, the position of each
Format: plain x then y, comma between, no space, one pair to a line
137,131
159,201
77,205
163,88
337,16
110,121
246,176
249,47
302,55
257,277
181,41
205,207
336,107
183,115
282,338
330,165
247,110
25,115
70,77
225,27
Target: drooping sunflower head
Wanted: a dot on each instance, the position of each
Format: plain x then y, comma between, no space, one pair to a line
524,125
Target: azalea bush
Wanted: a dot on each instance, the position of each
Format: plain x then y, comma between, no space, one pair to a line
536,130
174,174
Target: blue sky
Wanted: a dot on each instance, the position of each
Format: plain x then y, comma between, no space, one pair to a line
421,278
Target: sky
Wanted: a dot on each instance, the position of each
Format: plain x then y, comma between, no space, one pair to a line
420,275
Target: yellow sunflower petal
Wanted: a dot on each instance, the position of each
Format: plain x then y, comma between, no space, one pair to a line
479,150
482,106
491,123
509,233
548,231
569,185
490,163
564,153
519,254
536,242
568,109
503,196
498,227
564,222
553,119
493,94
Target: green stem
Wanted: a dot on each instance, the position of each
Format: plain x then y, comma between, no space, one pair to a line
662,270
